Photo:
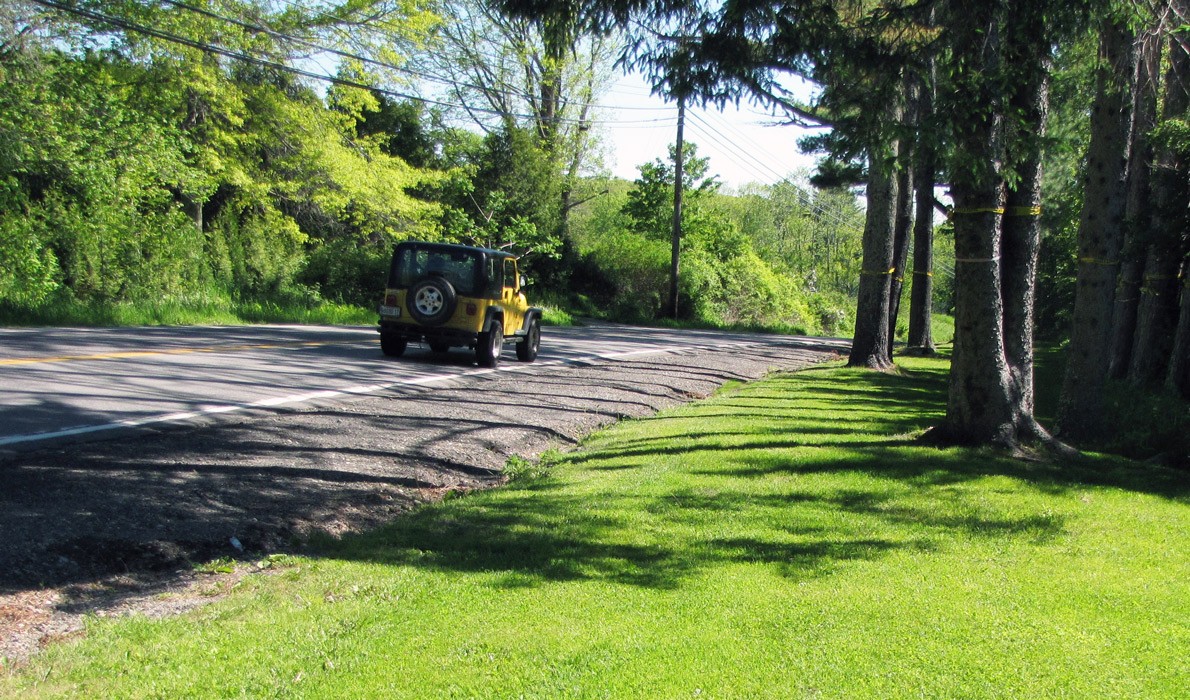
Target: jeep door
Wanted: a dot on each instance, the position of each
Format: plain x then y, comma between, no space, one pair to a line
513,297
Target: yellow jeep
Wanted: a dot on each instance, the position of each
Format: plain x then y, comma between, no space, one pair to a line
457,296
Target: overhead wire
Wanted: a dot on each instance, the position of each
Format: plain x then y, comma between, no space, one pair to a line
816,208
754,165
275,64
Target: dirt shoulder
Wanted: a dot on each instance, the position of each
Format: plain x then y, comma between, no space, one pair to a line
116,527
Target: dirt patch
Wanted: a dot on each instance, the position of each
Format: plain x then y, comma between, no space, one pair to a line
117,527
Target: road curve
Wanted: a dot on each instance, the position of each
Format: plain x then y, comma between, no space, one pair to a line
70,384
305,430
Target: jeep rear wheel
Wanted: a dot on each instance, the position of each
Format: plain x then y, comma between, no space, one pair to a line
526,350
491,343
432,300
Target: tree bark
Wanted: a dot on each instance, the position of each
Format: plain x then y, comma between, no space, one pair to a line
1157,316
981,404
1137,213
1022,233
1127,309
1179,361
1100,236
921,339
902,224
870,347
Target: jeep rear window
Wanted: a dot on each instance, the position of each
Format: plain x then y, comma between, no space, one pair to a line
460,267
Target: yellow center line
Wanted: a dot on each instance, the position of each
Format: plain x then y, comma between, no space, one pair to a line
151,353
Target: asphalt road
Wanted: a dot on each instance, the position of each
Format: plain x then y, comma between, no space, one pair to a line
129,455
73,384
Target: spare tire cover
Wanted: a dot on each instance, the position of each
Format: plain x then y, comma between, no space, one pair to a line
431,300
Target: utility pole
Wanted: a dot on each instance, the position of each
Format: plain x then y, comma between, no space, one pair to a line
675,249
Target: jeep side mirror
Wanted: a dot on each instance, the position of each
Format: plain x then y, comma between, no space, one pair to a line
524,282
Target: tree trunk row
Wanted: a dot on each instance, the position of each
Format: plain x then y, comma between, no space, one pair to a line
1131,319
899,217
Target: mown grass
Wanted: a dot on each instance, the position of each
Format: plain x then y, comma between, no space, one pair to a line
783,539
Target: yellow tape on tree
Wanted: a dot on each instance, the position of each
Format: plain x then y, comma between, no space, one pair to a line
979,210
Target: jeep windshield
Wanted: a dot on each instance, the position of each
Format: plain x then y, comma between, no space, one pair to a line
462,268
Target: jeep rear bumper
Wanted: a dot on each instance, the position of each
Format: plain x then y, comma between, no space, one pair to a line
413,333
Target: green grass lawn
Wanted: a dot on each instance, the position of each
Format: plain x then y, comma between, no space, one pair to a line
784,539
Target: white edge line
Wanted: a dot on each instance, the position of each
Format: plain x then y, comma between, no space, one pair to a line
355,390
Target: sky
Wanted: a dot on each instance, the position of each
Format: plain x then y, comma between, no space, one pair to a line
744,143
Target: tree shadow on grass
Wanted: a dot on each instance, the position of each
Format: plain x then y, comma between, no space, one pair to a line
643,532
541,537
916,400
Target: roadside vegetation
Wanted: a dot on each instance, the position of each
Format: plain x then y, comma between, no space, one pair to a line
185,311
787,538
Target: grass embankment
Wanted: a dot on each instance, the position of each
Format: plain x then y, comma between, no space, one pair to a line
196,311
202,311
783,539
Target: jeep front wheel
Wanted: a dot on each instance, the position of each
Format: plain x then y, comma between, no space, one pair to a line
491,343
526,350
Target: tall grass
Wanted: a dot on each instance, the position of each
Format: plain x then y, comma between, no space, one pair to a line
784,539
182,311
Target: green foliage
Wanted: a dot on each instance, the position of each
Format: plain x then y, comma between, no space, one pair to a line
87,200
768,257
650,209
347,272
508,198
520,469
944,268
636,270
145,170
723,280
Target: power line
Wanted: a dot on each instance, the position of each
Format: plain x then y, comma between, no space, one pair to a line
757,166
327,49
128,25
815,208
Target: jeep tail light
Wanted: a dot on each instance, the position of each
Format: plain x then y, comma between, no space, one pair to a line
390,300
472,309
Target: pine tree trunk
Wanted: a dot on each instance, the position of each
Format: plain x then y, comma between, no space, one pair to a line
921,298
1179,361
981,406
1137,216
1100,236
1022,234
870,346
1125,315
1157,317
902,224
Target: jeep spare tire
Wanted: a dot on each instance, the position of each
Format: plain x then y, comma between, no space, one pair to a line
432,300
